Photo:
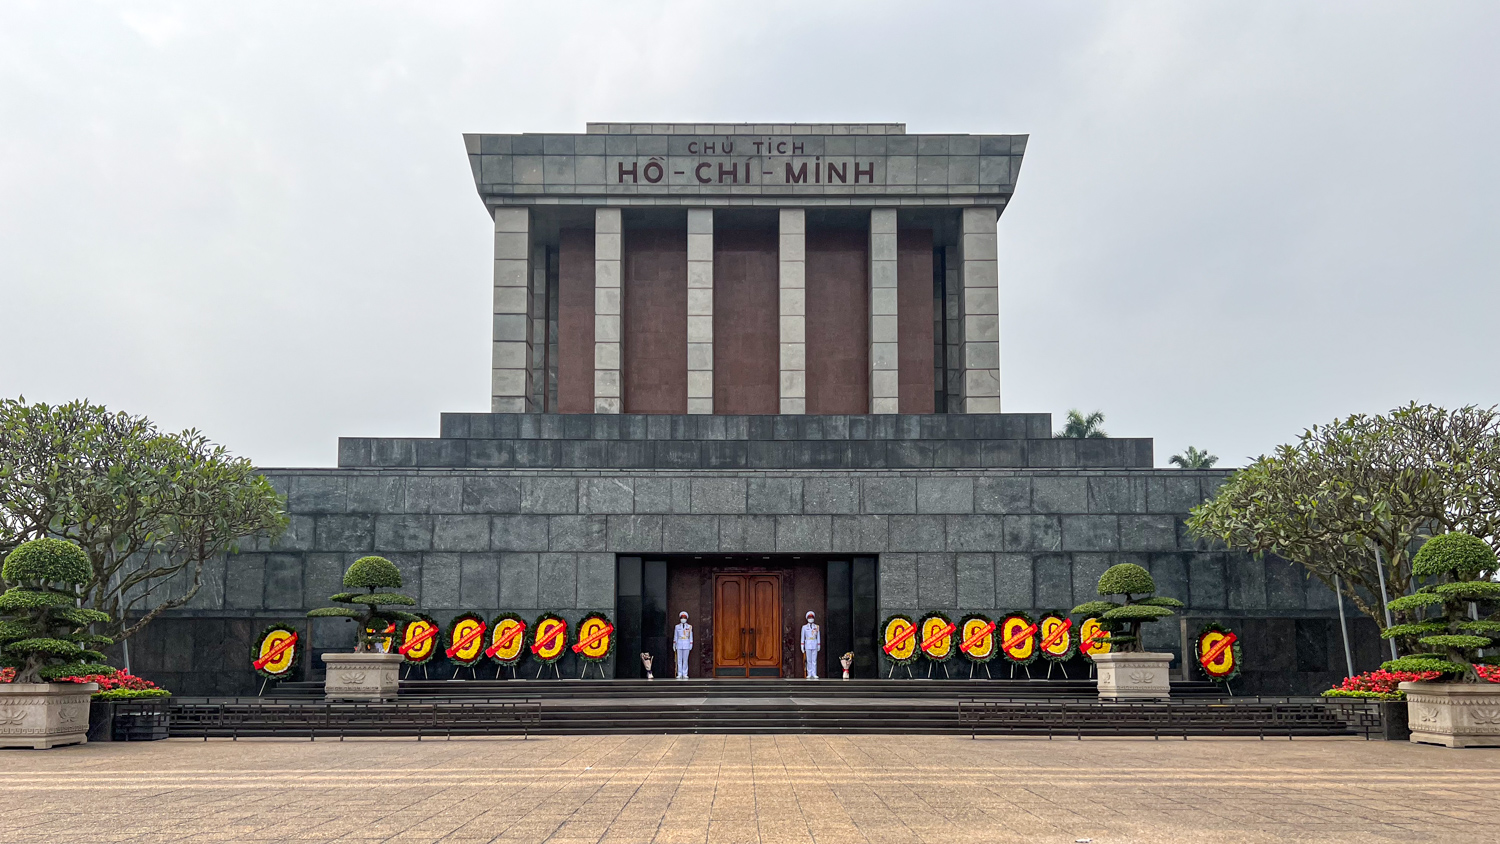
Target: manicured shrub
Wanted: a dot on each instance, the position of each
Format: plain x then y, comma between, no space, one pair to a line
1123,619
43,634
1461,565
374,624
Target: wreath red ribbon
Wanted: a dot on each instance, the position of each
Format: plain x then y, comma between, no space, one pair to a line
467,640
276,650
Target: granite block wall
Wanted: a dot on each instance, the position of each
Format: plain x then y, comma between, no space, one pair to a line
528,541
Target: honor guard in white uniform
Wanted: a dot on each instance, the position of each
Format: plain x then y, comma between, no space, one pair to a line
812,640
682,643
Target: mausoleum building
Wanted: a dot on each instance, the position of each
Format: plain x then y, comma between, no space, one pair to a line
746,371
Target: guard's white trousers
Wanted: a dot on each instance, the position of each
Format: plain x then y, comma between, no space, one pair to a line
682,661
812,663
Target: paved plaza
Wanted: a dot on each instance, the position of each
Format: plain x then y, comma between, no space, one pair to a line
794,788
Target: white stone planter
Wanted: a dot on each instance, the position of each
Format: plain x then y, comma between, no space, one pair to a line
43,715
1134,676
1454,714
370,676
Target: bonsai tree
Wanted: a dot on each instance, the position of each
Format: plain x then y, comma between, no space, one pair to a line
43,632
377,576
1122,620
1462,565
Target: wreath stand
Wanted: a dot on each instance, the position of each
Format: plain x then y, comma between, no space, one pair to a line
500,669
553,665
598,666
1060,667
1026,668
929,669
906,665
473,674
986,670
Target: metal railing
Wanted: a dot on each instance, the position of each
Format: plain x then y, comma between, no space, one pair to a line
1241,716
235,718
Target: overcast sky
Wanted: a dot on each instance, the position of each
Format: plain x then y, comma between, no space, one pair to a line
1234,219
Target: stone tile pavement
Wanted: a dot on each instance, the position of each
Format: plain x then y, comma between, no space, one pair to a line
707,789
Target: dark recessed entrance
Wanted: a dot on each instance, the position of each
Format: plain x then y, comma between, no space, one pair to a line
747,612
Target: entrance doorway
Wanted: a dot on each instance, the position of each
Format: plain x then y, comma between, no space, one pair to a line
747,625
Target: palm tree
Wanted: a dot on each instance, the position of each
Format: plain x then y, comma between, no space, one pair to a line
1193,459
1079,427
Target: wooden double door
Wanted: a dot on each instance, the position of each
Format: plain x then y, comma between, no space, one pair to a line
747,625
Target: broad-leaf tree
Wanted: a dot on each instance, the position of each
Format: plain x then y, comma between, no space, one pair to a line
1362,486
149,509
1080,427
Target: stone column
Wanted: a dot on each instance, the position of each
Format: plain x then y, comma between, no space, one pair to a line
700,313
885,382
792,251
538,328
607,310
510,390
979,274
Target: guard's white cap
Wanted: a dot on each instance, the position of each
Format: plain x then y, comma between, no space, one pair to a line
682,614
809,613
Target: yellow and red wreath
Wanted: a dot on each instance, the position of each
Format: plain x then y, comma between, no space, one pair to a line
549,638
976,638
1018,639
419,640
507,639
1093,639
466,640
898,639
276,651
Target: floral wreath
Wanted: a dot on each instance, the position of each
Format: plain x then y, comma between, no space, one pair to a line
560,642
493,650
885,640
1103,638
431,643
964,632
1234,652
1068,635
477,644
1002,635
585,633
258,651
946,646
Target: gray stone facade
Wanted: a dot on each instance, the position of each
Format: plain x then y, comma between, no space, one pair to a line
526,540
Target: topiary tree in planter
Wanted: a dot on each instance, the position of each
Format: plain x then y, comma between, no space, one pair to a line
43,633
1129,670
1455,709
1123,620
44,637
370,574
368,673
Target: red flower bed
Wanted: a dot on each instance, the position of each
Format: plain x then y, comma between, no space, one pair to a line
110,682
1489,672
7,675
1384,682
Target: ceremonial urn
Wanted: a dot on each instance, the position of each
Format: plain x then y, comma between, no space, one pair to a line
1454,714
846,660
1134,676
43,715
646,661
361,676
